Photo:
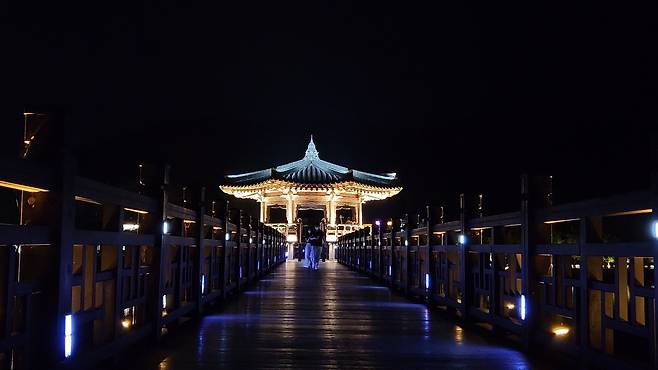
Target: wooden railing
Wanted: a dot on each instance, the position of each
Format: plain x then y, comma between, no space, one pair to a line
575,278
94,269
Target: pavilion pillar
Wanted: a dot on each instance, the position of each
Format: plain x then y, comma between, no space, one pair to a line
332,210
359,210
289,210
263,210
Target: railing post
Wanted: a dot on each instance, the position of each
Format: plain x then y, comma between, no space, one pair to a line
654,231
407,255
201,280
427,263
379,248
227,253
464,274
249,253
64,240
158,251
528,240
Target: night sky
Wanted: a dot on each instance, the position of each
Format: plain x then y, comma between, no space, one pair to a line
455,97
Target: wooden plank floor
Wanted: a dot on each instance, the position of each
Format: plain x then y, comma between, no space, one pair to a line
327,319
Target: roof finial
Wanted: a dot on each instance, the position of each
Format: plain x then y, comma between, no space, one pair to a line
311,152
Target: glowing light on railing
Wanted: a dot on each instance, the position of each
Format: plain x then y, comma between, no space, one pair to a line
131,227
68,336
286,254
462,239
165,227
258,265
164,301
406,243
523,307
560,330
378,223
390,270
240,272
203,283
427,281
370,264
136,211
655,229
227,236
29,189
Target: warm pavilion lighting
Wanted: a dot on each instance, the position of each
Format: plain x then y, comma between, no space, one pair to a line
331,238
291,238
560,330
15,186
136,211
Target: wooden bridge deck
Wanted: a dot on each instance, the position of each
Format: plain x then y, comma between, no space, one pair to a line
327,319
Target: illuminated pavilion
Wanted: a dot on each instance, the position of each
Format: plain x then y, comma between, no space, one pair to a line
312,184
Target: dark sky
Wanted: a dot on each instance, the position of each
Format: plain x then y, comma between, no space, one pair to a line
454,96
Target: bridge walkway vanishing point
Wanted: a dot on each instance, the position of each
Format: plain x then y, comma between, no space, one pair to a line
333,318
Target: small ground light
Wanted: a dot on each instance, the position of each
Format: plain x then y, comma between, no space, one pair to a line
165,227
68,336
462,239
227,236
560,330
427,281
523,307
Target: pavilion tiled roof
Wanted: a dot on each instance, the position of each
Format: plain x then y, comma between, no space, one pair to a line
313,170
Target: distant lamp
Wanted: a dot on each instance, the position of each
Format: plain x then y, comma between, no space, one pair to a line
389,223
462,239
378,223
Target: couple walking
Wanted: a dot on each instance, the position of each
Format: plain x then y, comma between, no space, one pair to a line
313,249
